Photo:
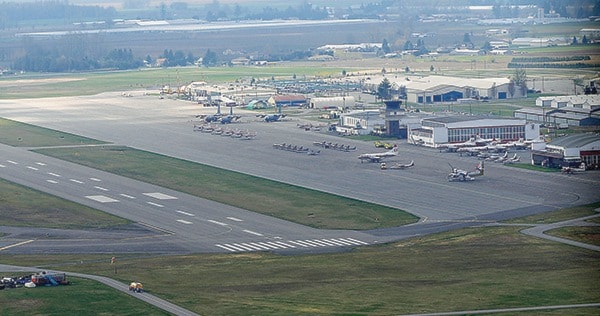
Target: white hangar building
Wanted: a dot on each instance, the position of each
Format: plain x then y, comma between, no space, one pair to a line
570,151
457,129
435,89
332,102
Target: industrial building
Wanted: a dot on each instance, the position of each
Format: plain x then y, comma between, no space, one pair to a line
332,102
439,89
574,110
280,100
570,151
456,129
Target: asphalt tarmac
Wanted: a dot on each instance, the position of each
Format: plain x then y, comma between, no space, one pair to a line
175,222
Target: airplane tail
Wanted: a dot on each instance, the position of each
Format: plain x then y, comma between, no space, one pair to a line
480,168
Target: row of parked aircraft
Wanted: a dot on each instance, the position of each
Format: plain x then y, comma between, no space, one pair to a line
217,130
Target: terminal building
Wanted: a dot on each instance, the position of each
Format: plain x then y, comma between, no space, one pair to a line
570,151
457,129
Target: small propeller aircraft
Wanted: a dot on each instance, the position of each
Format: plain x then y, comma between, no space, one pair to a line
462,175
377,157
384,166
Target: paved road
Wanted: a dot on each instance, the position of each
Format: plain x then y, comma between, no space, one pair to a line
165,126
539,231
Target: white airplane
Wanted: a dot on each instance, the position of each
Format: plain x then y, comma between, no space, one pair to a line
462,175
384,166
513,159
377,157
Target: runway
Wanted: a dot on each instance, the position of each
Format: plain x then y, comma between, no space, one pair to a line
183,223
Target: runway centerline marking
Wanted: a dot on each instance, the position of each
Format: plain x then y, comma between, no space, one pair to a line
216,222
76,181
155,204
251,232
184,222
32,168
186,213
235,219
101,198
52,181
160,196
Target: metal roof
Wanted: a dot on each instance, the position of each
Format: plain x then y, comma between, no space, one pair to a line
575,141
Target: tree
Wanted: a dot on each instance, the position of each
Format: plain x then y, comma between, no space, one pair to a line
520,80
574,42
384,89
385,47
584,40
209,59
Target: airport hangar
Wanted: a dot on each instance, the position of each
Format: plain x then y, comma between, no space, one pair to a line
455,129
572,110
438,89
570,151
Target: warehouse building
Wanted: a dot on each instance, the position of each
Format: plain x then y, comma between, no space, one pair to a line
570,151
575,110
332,102
456,129
439,89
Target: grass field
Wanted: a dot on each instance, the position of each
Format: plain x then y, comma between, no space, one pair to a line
19,134
82,297
305,206
477,268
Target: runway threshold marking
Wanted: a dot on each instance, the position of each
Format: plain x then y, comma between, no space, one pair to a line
101,198
17,244
291,244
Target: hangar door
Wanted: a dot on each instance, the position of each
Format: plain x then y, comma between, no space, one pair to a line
448,96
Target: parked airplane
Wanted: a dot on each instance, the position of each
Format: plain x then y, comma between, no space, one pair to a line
272,117
384,166
377,157
462,175
513,159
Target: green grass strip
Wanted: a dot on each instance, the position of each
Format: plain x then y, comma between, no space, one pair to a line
293,203
19,134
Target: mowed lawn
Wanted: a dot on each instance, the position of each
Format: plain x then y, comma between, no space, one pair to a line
468,269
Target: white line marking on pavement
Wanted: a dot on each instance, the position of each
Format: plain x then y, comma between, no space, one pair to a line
226,248
101,198
127,196
251,246
17,244
184,221
2,166
100,188
235,219
251,232
284,244
54,174
40,163
216,222
52,181
95,179
76,181
32,168
259,245
12,162
299,243
356,241
155,204
160,196
185,213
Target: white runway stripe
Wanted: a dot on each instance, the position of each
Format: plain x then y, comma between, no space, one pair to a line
291,244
